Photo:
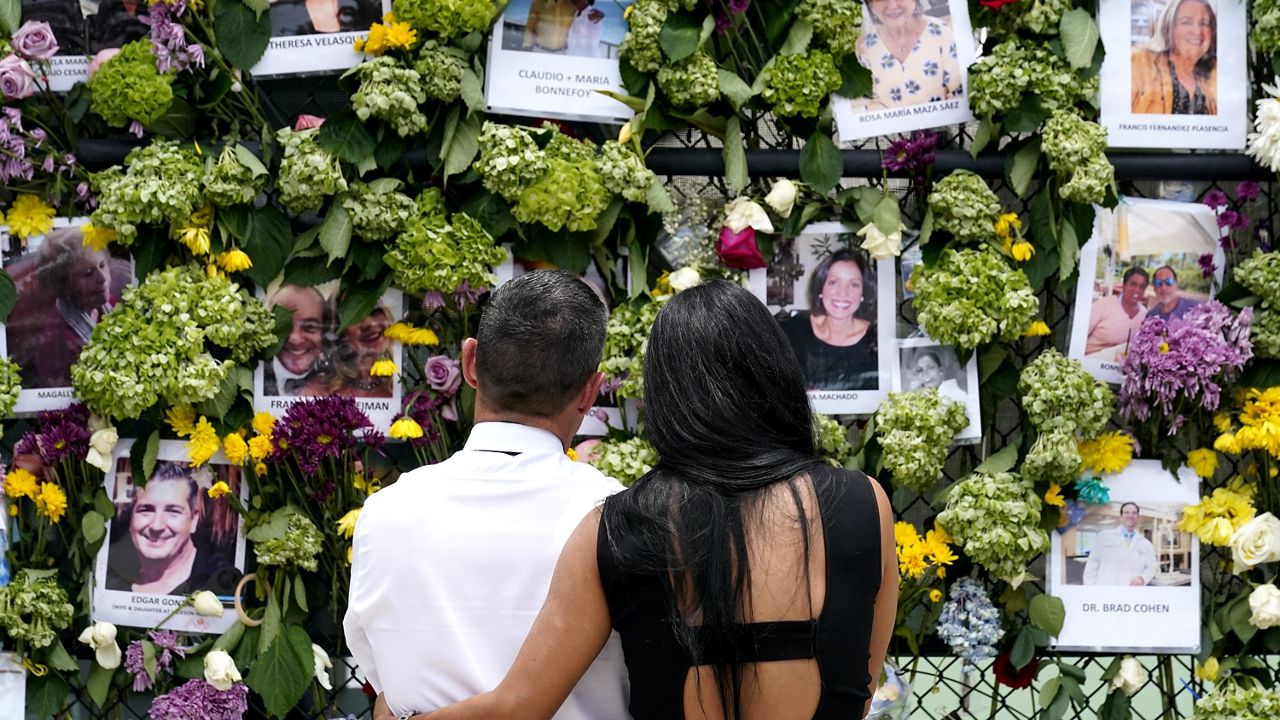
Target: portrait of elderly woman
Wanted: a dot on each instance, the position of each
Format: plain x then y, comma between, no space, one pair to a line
910,52
63,290
836,338
1175,72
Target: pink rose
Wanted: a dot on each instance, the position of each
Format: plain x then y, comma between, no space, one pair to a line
443,374
738,250
306,122
101,59
35,41
17,79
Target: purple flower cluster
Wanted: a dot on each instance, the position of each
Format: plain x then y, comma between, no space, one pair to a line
169,38
166,643
64,434
1184,361
317,429
466,295
19,149
198,700
1232,220
913,153
1207,266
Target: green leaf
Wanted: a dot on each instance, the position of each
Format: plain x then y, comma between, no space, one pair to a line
986,132
258,6
269,630
734,88
10,15
8,295
1240,614
1058,707
99,684
1000,461
300,594
926,228
1116,707
1068,250
463,147
1024,649
268,244
1048,691
492,212
1079,35
93,526
821,163
658,199
249,160
218,405
228,640
46,694
311,271
798,39
472,91
359,300
1069,670
149,659
346,137
1020,167
335,230
735,157
855,80
1048,613
177,123
631,101
887,216
1027,117
281,674
679,36
142,457
58,657
1261,373
242,34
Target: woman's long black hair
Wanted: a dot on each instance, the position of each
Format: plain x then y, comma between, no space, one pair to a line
726,409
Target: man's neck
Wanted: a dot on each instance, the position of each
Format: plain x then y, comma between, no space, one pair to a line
169,570
551,425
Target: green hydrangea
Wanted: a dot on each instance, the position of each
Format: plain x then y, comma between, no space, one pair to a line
1038,16
230,181
640,45
441,69
797,84
1058,394
298,546
970,297
377,210
392,93
915,430
161,340
1053,458
624,460
1266,26
1264,334
434,256
831,440
33,610
623,172
570,194
964,206
995,517
159,185
128,87
690,83
1090,182
447,18
626,336
836,23
431,206
308,172
510,160
1232,701
1076,150
1260,273
998,80
10,385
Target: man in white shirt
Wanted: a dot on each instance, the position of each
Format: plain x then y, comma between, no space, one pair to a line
1121,556
452,562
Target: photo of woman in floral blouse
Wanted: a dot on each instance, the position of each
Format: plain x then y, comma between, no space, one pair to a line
911,55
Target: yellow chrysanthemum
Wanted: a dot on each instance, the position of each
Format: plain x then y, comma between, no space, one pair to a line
400,36
939,553
51,502
96,237
1208,671
219,489
259,447
195,238
235,260
1222,421
904,533
13,509
263,423
182,418
203,443
235,448
20,483
1006,224
347,524
375,43
407,334
1203,461
1226,443
1216,517
1022,251
368,485
1038,328
405,428
935,595
1108,453
571,454
30,216
383,368
1053,496
911,561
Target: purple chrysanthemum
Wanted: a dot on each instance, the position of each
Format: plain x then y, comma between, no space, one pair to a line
911,154
1248,191
198,700
1215,199
134,666
1207,266
466,295
63,434
1232,220
317,429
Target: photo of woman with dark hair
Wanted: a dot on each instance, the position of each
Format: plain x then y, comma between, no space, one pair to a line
836,338
1175,72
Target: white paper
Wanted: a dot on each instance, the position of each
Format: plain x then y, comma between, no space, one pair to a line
317,51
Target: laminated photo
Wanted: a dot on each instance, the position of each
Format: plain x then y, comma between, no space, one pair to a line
836,307
1144,260
548,58
918,52
320,359
84,28
1128,577
317,36
167,540
1175,73
64,288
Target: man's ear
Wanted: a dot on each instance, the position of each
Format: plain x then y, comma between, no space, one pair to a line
469,361
590,392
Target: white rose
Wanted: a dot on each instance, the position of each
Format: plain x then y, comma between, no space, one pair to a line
782,197
1255,542
322,666
207,604
684,278
101,636
881,246
745,212
1131,677
220,670
1264,606
101,444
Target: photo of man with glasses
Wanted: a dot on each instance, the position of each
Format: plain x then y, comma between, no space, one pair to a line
288,372
1170,302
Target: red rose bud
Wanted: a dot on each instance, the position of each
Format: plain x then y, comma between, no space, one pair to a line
1007,675
738,250
996,4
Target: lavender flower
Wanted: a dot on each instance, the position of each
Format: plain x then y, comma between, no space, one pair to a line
1215,199
134,666
166,645
1248,191
424,408
168,38
317,429
198,700
64,434
969,623
466,295
738,6
432,300
912,154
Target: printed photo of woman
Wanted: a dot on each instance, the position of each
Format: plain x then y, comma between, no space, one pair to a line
1175,70
836,338
911,54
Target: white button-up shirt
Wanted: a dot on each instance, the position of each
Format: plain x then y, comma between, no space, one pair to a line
452,563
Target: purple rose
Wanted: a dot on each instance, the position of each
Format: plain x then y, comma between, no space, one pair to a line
443,374
17,79
35,41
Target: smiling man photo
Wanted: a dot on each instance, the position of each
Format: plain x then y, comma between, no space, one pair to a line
291,368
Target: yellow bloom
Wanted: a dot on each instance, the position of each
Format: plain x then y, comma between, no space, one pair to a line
904,533
368,485
407,334
1036,329
939,553
203,443
219,489
1108,453
347,525
1222,421
20,483
624,134
1007,223
195,238
259,447
626,13
260,469
571,454
376,41
911,561
96,237
940,534
406,428
358,45
1216,517
935,595
383,368
400,36
234,260
30,216
1203,461
350,552
1053,496
52,502
235,448
13,509
182,418
1022,251
202,217
1226,443
1164,347
941,572
1208,672
264,423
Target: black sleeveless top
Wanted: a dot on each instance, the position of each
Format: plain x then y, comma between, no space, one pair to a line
840,639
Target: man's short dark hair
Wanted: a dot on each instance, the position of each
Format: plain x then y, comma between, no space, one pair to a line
1127,504
540,338
1166,267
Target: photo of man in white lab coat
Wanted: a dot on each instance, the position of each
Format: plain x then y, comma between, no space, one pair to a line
1121,556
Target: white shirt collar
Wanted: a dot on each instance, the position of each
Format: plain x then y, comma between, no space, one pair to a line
512,437
283,373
